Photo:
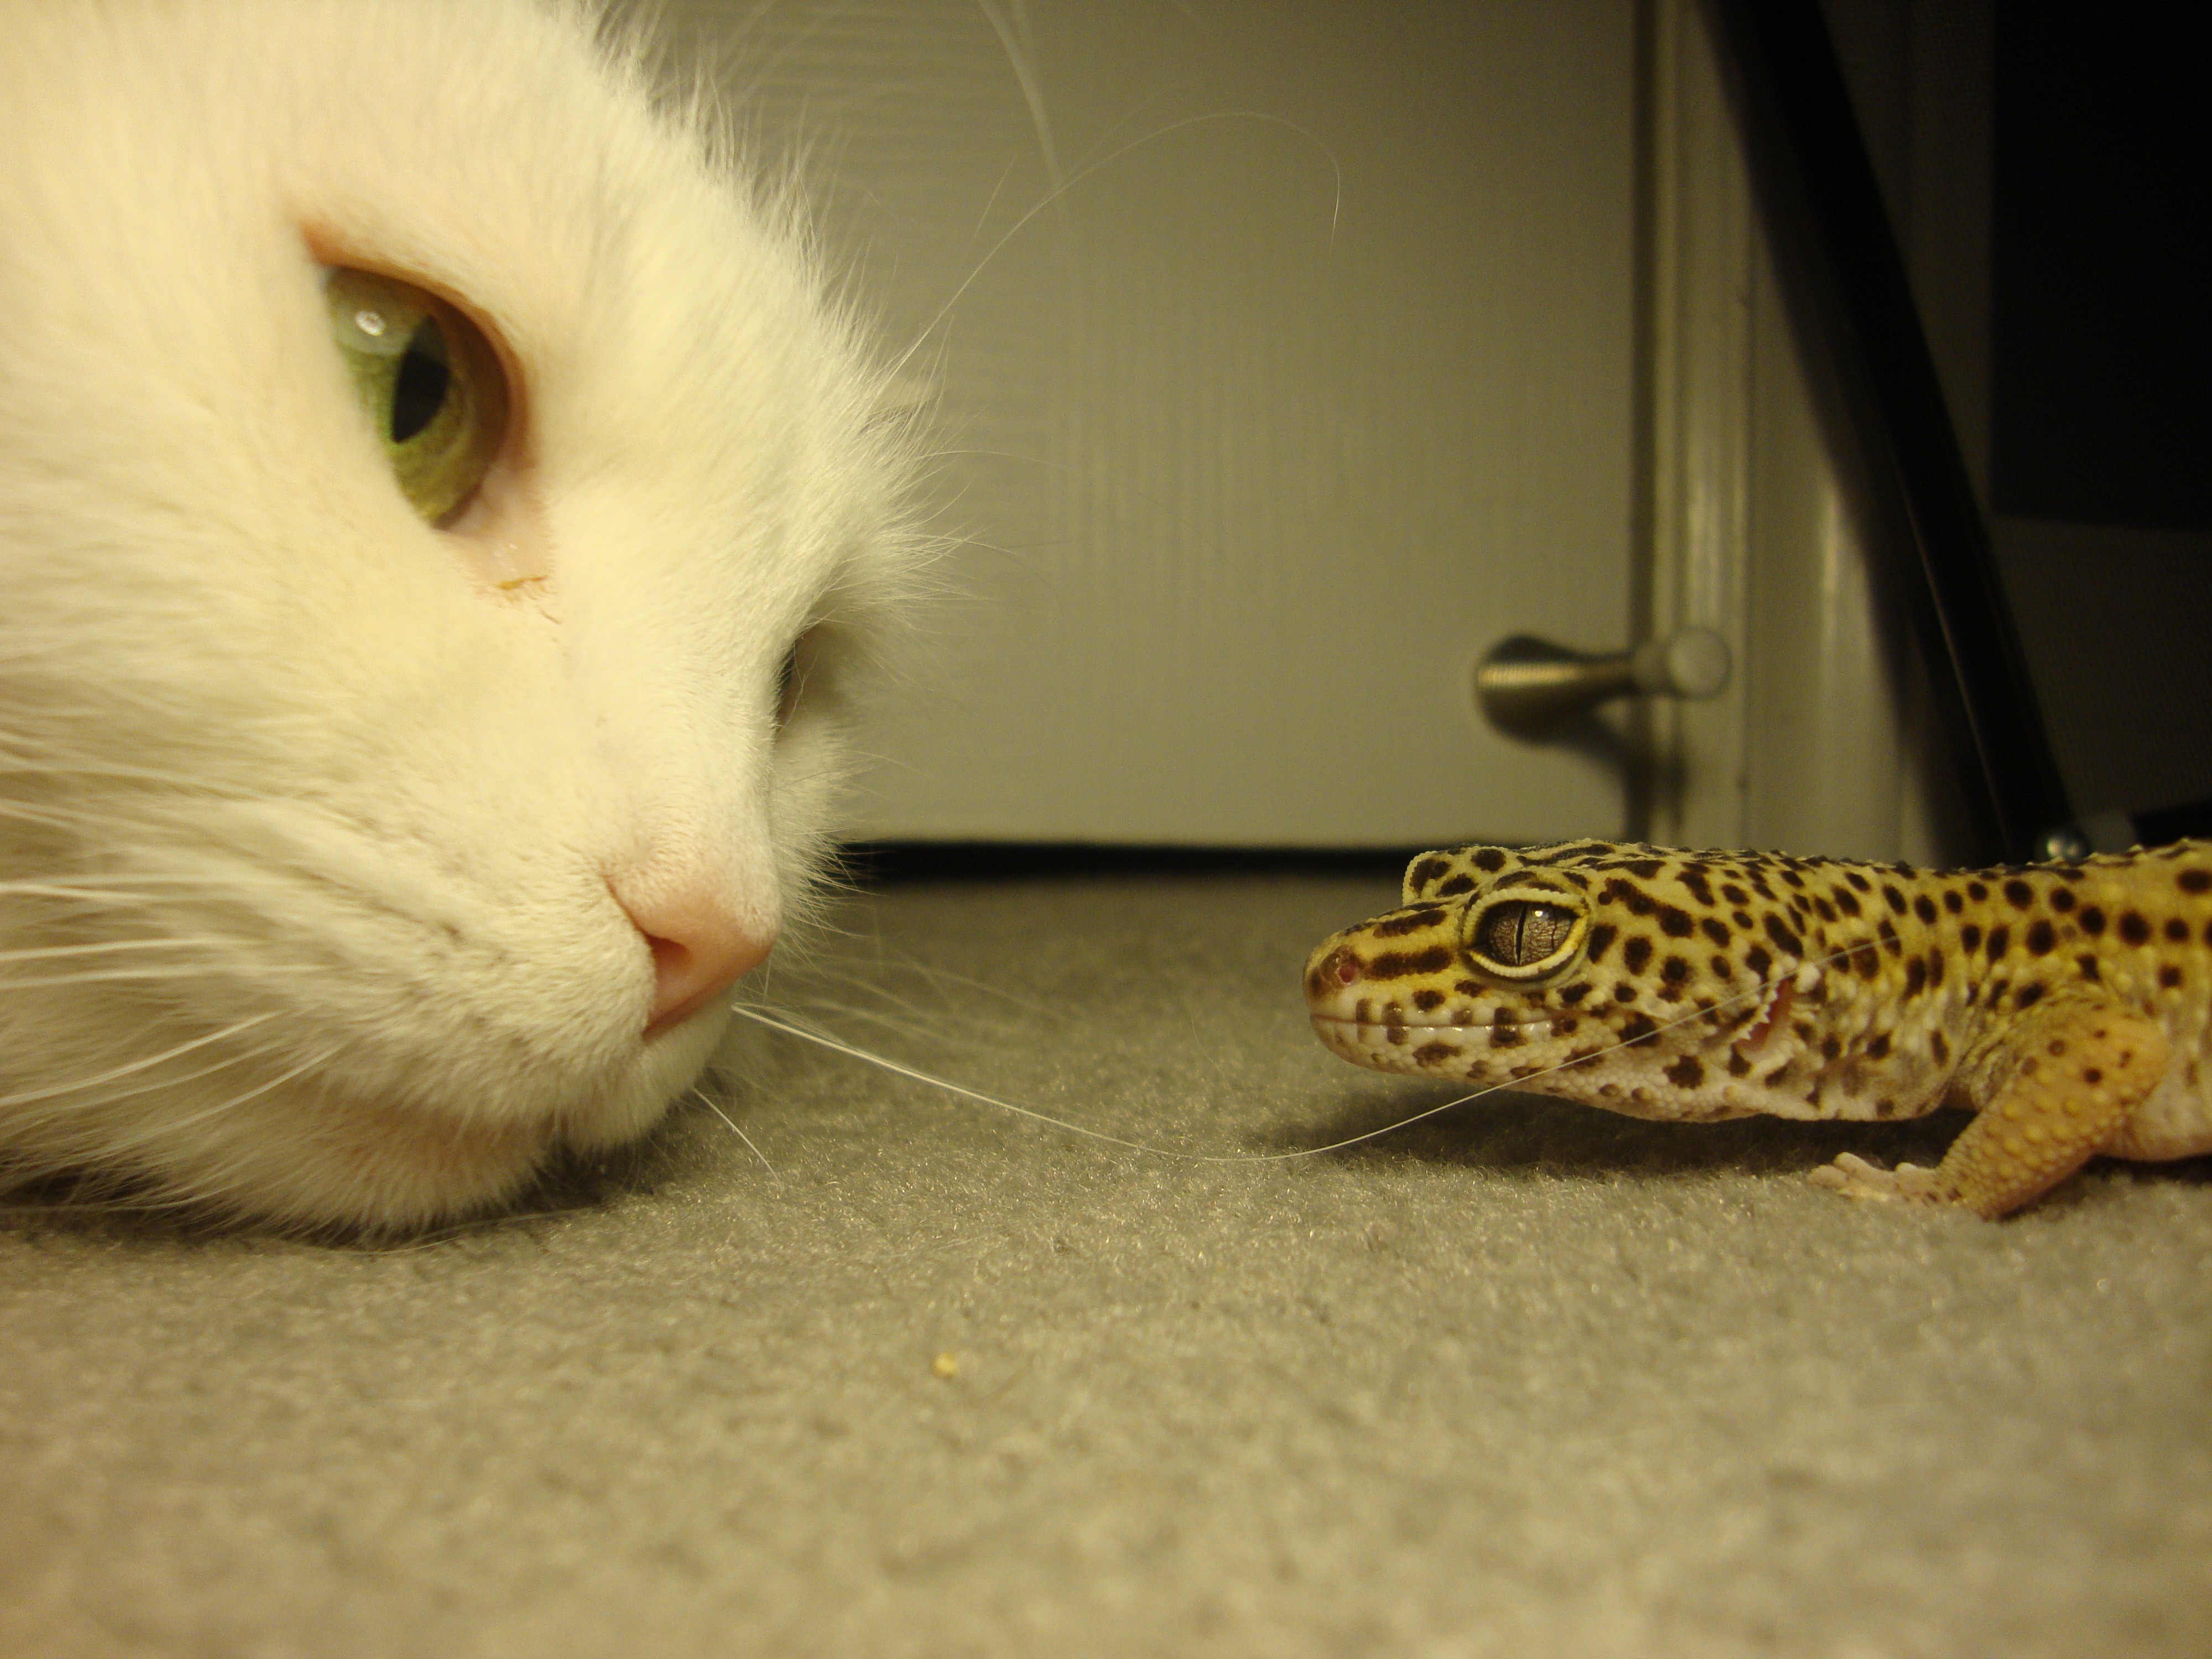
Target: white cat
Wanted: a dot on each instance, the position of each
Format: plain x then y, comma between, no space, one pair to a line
436,509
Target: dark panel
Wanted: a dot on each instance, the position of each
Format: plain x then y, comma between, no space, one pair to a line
2102,393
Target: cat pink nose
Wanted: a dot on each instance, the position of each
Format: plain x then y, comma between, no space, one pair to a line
699,950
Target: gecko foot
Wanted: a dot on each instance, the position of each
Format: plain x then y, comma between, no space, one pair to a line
1852,1176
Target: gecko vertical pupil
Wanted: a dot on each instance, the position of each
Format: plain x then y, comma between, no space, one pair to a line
1520,931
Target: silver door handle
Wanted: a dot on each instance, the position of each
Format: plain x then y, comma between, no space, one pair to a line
1526,686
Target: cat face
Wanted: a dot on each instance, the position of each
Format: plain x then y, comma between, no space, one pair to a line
366,840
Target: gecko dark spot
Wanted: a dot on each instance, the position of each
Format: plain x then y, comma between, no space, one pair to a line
1626,895
2134,928
1970,938
1846,900
1434,1054
1624,994
2061,899
1741,918
2087,965
1460,884
1737,1065
1674,971
1976,891
1924,908
1428,1000
1940,1046
2194,881
1723,969
1830,1047
1490,860
2169,976
1858,881
1466,987
1734,894
1699,889
1827,911
1637,1028
1573,993
1642,869
2175,929
1952,901
2207,932
1758,961
1784,941
1864,962
1934,967
1685,1072
1394,1035
1428,870
2041,939
1404,964
1894,899
2091,1074
1791,876
1716,930
2092,920
1890,942
1676,924
2028,997
1504,1036
1565,1025
1412,921
1758,885
1916,978
1635,954
1878,1045
2020,893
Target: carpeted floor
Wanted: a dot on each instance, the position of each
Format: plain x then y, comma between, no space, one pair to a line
1523,1380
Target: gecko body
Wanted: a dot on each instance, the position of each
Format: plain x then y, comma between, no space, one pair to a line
2066,1005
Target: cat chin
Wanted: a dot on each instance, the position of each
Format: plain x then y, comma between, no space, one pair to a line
312,1154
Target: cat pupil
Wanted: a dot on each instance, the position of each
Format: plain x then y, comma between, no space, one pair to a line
419,391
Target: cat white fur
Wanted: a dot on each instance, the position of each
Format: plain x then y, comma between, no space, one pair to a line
332,842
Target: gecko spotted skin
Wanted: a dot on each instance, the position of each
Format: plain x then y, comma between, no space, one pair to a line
2065,1005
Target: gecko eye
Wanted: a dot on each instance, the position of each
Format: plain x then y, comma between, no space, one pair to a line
1523,938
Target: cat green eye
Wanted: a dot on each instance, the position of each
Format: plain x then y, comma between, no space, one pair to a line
430,381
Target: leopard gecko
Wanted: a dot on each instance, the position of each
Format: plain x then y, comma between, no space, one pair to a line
2065,1005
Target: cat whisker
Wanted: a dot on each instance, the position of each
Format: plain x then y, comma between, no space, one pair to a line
134,1067
701,1096
792,1029
110,947
194,970
1061,188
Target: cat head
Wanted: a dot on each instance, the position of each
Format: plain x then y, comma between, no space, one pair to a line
377,821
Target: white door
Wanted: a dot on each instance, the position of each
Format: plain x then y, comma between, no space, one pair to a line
1286,356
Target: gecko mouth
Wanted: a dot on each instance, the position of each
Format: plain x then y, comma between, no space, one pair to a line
1345,1023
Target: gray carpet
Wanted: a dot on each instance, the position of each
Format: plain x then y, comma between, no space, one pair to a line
1526,1379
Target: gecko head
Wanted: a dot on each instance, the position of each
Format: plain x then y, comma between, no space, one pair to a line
1619,975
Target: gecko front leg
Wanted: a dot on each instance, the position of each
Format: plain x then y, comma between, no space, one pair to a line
2062,1083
